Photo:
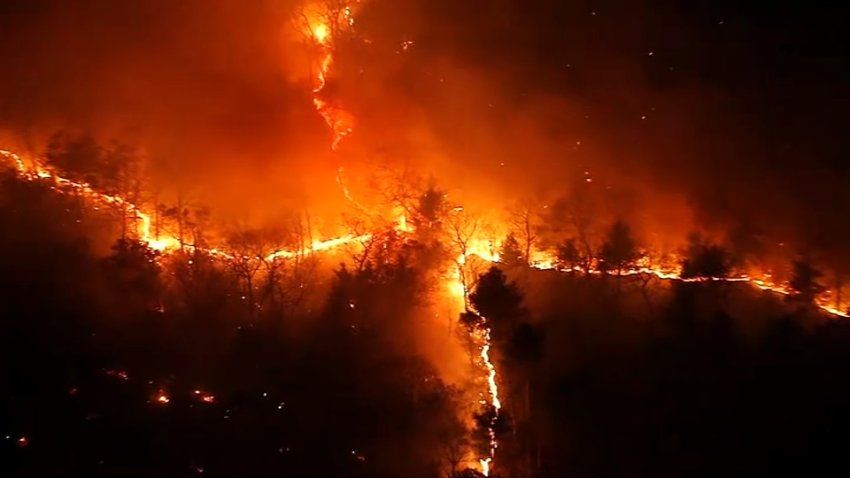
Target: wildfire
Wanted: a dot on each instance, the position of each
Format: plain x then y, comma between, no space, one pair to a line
458,288
765,283
321,33
341,123
476,247
143,225
493,388
338,120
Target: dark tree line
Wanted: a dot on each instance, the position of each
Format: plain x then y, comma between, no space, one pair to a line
311,369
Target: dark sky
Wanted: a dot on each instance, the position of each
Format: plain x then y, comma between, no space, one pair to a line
739,108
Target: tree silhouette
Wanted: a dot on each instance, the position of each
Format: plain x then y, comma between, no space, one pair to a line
499,302
133,273
485,420
121,175
804,281
511,254
79,158
619,252
462,228
429,214
570,256
704,260
523,221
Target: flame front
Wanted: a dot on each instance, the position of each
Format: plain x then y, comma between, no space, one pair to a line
338,120
493,388
457,287
161,242
341,124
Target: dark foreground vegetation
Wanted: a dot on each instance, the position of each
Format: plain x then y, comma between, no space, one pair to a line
127,363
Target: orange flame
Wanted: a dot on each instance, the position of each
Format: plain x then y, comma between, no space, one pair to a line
457,288
338,120
162,397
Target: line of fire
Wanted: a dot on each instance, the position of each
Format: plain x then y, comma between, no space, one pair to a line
410,238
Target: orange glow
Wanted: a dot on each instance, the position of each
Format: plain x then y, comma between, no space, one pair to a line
476,246
338,120
493,389
203,396
481,336
162,397
321,33
143,229
547,262
341,124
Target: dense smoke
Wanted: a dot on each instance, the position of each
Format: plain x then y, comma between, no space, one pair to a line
422,237
216,93
679,122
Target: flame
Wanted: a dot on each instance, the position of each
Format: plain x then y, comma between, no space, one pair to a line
476,247
143,224
341,123
321,33
162,397
458,289
764,282
338,120
493,389
203,396
163,242
492,386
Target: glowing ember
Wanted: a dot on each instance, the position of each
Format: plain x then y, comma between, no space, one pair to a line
119,374
203,396
321,33
162,397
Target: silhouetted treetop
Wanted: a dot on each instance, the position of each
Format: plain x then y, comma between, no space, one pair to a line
495,297
571,256
804,281
511,254
620,249
705,260
76,157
